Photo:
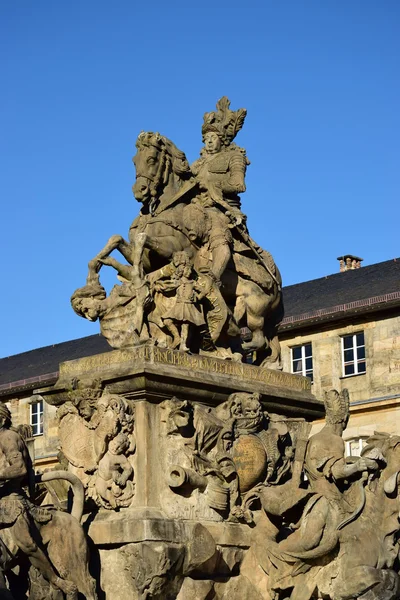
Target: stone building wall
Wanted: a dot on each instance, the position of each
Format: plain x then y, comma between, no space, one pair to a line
45,445
374,395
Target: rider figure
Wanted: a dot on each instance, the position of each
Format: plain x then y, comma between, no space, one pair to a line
17,513
220,172
328,509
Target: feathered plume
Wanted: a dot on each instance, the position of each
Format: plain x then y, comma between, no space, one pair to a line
336,406
227,122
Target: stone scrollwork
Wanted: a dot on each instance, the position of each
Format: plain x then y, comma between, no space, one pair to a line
323,526
97,438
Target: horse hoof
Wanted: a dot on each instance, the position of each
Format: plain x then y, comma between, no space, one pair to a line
257,342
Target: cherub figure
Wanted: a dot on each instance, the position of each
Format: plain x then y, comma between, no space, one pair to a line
114,484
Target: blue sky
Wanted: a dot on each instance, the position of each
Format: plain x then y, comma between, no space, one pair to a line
80,80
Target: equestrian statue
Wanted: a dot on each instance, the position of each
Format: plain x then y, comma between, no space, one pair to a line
193,279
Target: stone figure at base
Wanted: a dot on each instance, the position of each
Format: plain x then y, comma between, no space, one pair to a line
113,484
185,312
122,314
341,538
35,531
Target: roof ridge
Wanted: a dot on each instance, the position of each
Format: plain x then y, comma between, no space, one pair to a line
345,306
341,274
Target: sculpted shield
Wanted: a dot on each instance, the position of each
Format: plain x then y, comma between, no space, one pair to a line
250,460
78,442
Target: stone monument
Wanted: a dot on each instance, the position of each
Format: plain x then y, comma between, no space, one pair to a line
200,479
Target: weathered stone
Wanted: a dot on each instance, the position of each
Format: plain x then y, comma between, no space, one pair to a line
156,374
338,545
59,562
190,464
189,238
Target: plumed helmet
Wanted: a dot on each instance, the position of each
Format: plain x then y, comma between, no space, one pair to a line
337,406
225,122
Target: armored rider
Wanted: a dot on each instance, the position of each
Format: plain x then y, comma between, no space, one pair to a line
220,173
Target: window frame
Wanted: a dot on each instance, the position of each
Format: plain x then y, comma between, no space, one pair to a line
36,409
356,361
304,371
362,442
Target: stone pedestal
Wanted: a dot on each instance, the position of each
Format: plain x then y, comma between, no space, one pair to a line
173,540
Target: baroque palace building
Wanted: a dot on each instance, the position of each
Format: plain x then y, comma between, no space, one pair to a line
342,331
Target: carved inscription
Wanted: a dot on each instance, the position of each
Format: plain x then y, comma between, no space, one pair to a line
154,355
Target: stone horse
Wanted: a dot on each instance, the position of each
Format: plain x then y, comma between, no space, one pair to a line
251,284
359,558
66,546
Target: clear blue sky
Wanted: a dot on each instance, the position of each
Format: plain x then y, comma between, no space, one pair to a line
80,80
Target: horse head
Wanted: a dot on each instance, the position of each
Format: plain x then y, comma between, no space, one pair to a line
161,168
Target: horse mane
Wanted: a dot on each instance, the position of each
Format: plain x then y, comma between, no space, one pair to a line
179,163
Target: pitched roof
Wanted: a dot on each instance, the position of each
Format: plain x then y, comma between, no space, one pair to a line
43,363
380,281
338,291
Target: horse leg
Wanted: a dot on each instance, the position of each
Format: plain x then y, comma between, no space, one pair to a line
116,242
255,304
69,554
21,531
273,358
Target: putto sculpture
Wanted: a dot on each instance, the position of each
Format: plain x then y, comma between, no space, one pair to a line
194,277
96,430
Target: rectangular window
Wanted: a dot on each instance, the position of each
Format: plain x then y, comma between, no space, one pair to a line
37,417
353,354
301,359
354,446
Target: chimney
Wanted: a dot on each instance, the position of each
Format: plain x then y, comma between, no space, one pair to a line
348,262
